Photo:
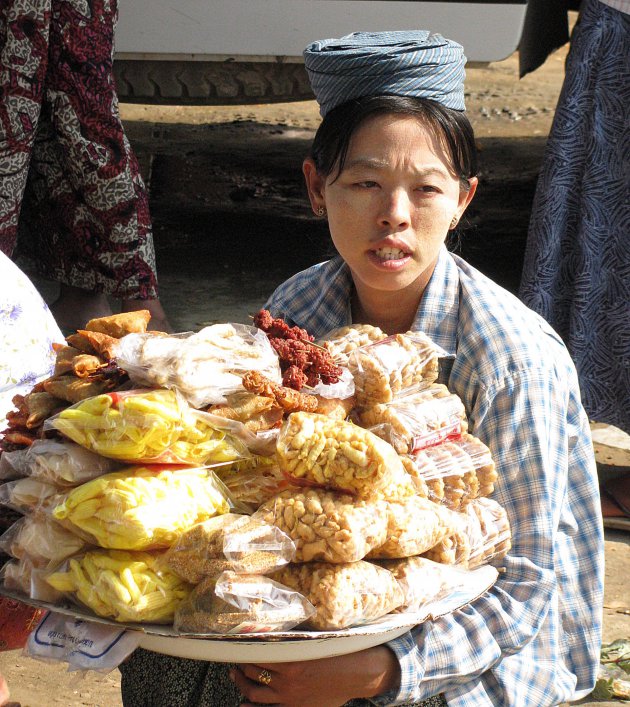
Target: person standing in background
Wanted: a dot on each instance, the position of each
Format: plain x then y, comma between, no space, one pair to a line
69,181
576,270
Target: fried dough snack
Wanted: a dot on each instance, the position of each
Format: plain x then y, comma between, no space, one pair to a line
325,525
256,412
288,399
341,342
343,595
384,369
336,454
413,527
119,325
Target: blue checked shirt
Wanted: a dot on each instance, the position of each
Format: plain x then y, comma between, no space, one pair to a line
534,638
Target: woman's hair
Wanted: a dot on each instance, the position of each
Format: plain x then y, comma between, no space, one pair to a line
330,146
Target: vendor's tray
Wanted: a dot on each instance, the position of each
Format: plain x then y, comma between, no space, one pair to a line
285,646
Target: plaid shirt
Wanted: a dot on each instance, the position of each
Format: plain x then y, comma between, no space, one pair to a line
534,637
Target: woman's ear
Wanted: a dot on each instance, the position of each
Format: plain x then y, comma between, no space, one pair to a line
466,196
315,184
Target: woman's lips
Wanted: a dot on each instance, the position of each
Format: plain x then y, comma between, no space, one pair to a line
389,257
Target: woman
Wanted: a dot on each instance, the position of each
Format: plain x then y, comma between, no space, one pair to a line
393,168
67,171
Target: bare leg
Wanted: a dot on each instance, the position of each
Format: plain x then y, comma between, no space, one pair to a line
159,320
75,307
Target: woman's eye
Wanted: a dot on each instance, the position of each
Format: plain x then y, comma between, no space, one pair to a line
367,184
428,189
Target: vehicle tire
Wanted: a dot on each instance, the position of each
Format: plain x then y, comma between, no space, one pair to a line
209,82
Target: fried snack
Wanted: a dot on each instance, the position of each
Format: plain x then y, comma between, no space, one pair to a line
41,540
237,603
482,461
85,364
426,415
154,426
256,412
288,399
384,369
252,481
489,532
119,325
341,342
64,356
336,454
27,494
343,595
103,345
413,527
452,550
73,389
141,508
233,542
123,586
327,526
335,408
39,406
80,343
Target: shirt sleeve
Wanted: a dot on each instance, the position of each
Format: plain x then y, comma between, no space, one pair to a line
535,427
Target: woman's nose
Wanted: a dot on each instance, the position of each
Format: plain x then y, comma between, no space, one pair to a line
396,210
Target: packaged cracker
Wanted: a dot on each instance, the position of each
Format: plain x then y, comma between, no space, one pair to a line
253,481
140,508
237,603
325,525
41,540
239,543
489,532
421,416
123,586
315,450
204,367
385,369
146,426
341,342
343,595
27,494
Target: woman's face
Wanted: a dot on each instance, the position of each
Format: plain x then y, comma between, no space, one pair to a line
390,208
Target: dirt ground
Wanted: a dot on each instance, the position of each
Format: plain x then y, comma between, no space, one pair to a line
227,180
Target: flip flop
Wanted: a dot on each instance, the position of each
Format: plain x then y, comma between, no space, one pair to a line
615,499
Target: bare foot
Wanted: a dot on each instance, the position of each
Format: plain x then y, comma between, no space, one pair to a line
159,320
75,307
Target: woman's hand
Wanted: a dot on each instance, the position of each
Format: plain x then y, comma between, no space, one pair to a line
328,682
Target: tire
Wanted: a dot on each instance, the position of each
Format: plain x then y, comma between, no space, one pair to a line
210,83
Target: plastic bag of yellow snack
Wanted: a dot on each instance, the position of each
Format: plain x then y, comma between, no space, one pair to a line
123,586
142,507
146,426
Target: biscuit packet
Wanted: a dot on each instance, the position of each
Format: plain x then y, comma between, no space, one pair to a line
237,603
419,417
146,426
27,494
205,366
238,543
384,369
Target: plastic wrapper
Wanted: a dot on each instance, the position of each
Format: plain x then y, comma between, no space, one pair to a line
15,576
154,426
424,581
489,532
12,465
123,586
454,472
327,526
422,416
341,342
252,481
232,542
64,463
204,367
345,595
385,369
315,450
413,527
25,495
236,603
41,540
141,508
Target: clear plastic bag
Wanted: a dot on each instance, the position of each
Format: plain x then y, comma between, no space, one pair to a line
12,465
343,595
327,526
238,543
384,369
65,463
252,481
453,472
489,532
146,426
141,508
421,416
341,342
236,603
41,540
27,494
123,586
15,576
204,367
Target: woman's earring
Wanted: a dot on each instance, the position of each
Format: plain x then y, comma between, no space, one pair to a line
454,222
321,211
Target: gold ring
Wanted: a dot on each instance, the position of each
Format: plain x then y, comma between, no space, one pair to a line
264,677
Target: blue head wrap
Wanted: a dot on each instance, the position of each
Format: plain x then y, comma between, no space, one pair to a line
414,63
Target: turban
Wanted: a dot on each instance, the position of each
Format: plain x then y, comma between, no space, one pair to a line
411,63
